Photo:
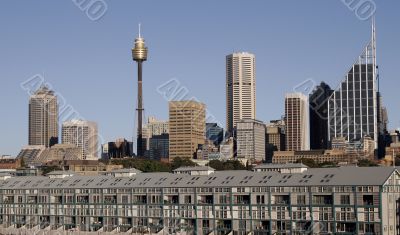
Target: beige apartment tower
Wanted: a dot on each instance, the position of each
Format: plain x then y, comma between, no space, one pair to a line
187,127
43,118
240,88
250,138
83,134
297,122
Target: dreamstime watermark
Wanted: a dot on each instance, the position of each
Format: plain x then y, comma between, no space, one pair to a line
65,111
94,9
363,9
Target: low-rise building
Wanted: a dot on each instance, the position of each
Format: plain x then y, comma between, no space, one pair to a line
85,167
10,163
319,156
345,200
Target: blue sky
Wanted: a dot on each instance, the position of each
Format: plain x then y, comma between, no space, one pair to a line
89,62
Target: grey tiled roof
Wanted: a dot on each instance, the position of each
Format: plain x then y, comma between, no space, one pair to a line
350,176
126,170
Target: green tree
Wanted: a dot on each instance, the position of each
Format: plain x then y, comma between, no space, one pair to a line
216,164
308,162
179,162
366,163
227,165
47,169
141,164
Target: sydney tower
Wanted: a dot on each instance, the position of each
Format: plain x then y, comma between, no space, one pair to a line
139,54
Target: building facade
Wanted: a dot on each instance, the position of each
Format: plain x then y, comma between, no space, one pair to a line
121,148
353,106
187,128
275,137
159,147
318,156
227,149
318,102
275,140
297,122
157,127
240,88
84,135
346,200
214,133
250,140
43,118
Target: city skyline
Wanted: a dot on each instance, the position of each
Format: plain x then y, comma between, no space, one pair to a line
109,130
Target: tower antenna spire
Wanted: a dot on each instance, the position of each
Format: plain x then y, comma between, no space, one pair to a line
139,31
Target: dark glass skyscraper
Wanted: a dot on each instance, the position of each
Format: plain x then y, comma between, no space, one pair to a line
353,106
214,133
159,147
319,116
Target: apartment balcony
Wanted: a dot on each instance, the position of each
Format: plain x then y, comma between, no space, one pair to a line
8,200
368,200
139,199
281,199
82,199
323,200
171,199
206,199
224,226
241,199
31,200
110,199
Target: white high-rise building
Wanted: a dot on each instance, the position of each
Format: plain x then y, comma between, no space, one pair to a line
297,122
250,137
43,118
240,88
83,134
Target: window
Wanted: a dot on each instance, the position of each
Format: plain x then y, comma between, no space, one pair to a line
260,199
345,199
301,199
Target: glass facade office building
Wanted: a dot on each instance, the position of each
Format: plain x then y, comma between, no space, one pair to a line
353,105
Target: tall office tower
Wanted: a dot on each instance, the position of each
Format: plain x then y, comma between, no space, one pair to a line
43,118
250,137
159,147
240,89
297,121
139,54
353,107
214,133
318,101
83,134
187,128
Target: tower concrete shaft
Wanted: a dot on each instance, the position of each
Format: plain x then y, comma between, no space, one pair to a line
139,54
